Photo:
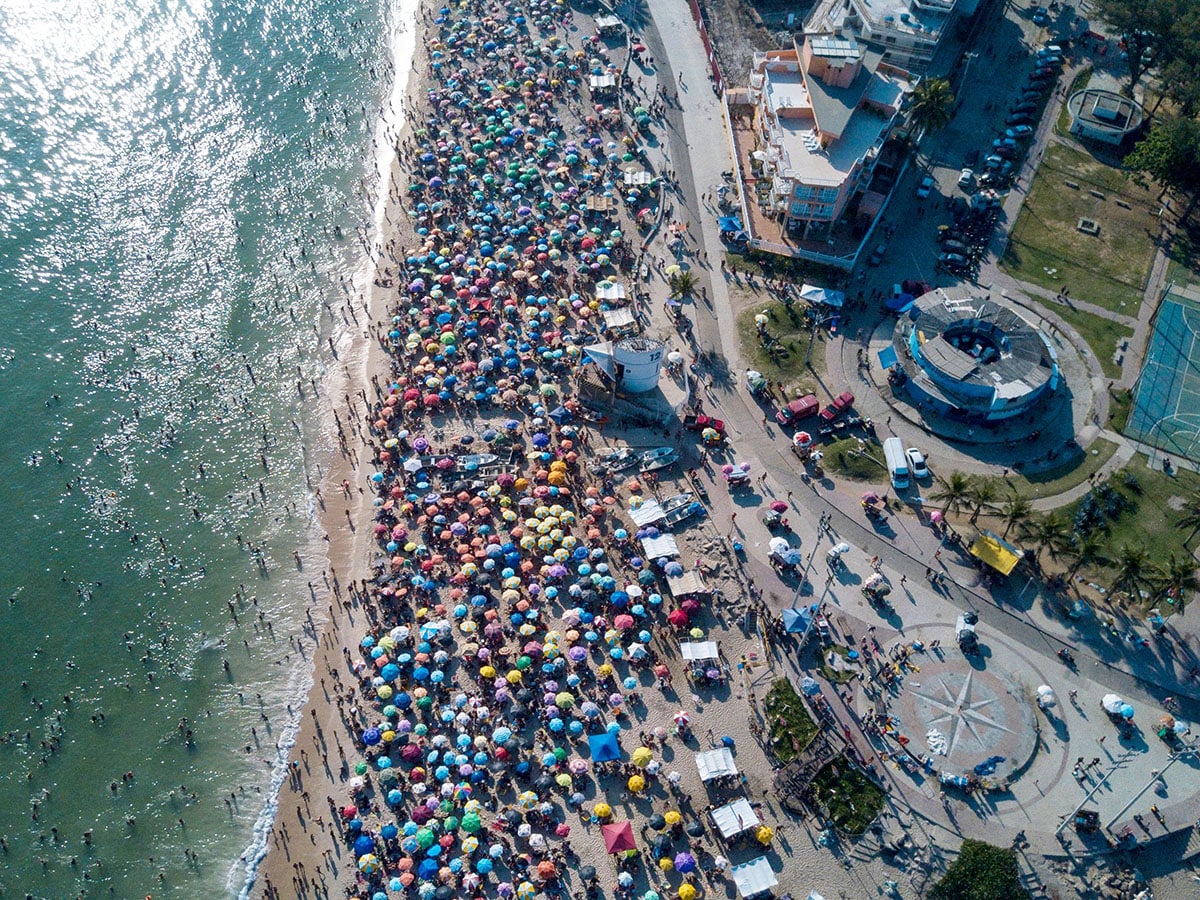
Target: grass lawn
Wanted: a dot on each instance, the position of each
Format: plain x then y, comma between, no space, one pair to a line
1152,521
785,362
847,460
1119,404
1055,480
791,728
1102,335
837,676
1062,126
850,798
1046,248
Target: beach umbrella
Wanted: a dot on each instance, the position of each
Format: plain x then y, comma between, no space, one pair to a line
685,862
687,891
618,836
368,864
641,757
636,783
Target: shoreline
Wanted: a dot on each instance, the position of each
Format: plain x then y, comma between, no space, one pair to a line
349,547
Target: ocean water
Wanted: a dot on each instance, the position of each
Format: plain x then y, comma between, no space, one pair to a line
184,191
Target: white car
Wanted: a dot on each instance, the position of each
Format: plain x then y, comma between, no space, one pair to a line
966,179
916,463
925,186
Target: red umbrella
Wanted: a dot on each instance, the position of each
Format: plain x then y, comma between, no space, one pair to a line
677,617
622,622
618,836
779,506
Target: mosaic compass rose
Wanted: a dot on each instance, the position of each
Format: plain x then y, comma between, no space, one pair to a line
963,712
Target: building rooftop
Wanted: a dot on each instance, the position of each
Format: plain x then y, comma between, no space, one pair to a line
923,18
1105,110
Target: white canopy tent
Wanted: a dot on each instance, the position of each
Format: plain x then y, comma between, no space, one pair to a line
699,650
661,547
687,584
647,514
734,818
610,290
715,763
754,877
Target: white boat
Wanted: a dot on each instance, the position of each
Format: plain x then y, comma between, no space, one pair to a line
620,460
680,507
659,458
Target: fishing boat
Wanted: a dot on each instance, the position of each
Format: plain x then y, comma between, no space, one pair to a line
680,507
658,458
620,460
472,461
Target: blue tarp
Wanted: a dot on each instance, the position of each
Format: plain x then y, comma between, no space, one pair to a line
900,302
729,223
604,747
887,357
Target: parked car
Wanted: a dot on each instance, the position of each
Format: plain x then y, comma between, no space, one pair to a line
971,158
840,404
966,179
952,262
1018,118
925,186
1044,72
877,255
994,161
1026,107
952,246
1019,132
1041,16
916,463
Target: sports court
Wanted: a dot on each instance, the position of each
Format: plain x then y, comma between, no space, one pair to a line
1166,403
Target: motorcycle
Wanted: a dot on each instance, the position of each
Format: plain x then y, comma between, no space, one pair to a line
1066,656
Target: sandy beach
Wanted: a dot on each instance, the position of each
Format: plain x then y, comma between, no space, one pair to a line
491,629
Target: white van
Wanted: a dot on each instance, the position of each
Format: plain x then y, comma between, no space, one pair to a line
897,462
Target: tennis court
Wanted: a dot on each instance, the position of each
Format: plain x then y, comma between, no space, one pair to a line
1166,403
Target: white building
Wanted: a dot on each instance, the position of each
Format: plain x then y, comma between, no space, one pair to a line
822,112
907,32
1104,116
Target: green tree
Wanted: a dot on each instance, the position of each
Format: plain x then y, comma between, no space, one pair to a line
1170,155
683,284
952,492
932,105
1086,550
1133,568
1191,516
1047,533
1176,579
981,872
1145,26
982,497
1015,511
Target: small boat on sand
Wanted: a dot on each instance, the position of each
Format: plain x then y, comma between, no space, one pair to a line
658,458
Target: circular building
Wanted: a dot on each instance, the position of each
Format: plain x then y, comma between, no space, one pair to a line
1104,116
972,358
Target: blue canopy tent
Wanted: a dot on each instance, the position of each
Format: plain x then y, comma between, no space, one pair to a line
729,223
604,747
796,620
887,357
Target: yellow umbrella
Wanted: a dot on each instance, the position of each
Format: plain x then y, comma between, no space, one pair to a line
642,756
671,817
665,864
687,892
764,834
513,677
636,783
602,810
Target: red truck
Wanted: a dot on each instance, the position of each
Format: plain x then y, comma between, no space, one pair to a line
840,404
799,409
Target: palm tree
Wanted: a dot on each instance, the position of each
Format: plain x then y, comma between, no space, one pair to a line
952,492
982,497
1048,533
1016,511
1176,579
683,283
1191,516
1133,567
1086,550
932,105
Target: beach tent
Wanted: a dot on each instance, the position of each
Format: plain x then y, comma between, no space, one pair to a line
754,877
661,547
605,82
729,223
822,296
607,24
620,320
647,514
687,584
887,357
796,620
600,204
610,290
715,763
618,836
604,747
995,552
698,651
734,818
638,178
